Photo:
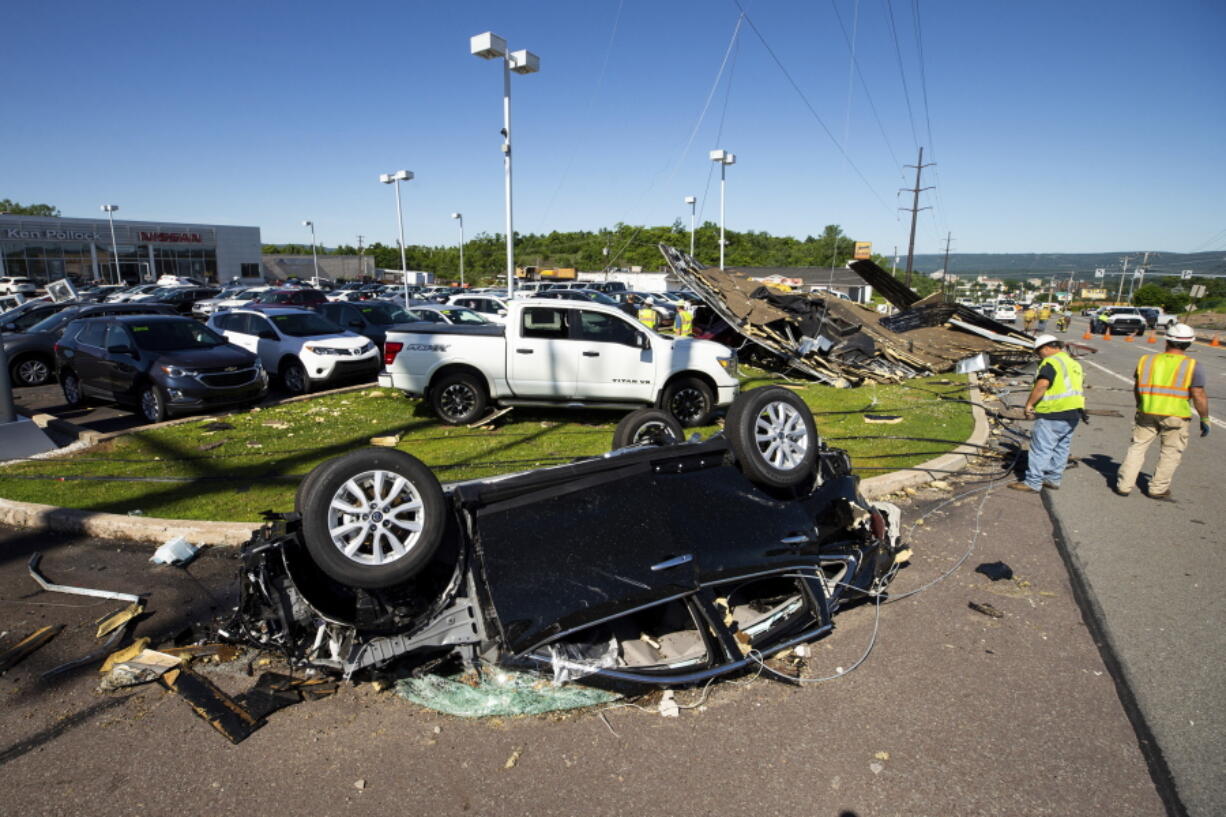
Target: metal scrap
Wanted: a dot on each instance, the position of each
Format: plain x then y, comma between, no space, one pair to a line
841,343
76,591
27,646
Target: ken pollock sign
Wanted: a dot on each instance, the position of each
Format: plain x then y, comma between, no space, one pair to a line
17,234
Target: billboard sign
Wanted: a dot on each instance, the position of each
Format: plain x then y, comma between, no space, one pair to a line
864,250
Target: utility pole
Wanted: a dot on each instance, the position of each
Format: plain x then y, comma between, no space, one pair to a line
361,266
915,208
894,265
1141,271
1120,294
945,267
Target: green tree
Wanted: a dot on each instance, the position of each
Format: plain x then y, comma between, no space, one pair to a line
13,208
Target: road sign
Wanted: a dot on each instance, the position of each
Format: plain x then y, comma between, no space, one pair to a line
1197,291
1100,273
864,249
1186,274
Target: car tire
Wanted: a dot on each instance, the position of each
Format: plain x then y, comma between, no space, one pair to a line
773,436
649,426
459,399
70,384
294,377
359,546
153,403
31,370
690,400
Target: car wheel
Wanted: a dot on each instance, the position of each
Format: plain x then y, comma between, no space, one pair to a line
773,435
294,377
153,404
373,518
31,371
459,399
648,426
70,384
689,400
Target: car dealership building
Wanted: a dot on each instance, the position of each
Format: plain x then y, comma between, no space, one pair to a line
48,249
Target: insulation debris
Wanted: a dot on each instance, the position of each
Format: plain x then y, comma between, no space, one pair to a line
841,343
28,645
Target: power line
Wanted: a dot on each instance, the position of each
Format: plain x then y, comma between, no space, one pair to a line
919,44
901,72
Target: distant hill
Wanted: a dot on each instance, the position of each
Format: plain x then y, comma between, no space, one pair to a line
1021,265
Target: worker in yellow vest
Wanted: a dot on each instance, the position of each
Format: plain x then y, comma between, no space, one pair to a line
1044,317
685,320
647,313
1164,385
1056,404
1028,317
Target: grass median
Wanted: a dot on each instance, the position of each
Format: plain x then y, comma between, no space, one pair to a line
204,470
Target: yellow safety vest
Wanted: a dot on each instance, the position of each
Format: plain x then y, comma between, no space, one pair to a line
647,317
686,317
1065,393
1164,382
1044,314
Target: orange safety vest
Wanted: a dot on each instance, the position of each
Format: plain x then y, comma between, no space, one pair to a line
1164,383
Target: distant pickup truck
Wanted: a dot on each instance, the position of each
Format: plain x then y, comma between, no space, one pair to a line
1119,320
1156,318
558,353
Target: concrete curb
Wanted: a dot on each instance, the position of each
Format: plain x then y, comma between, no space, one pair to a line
876,487
156,531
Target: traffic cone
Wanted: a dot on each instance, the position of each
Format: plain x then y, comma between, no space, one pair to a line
1107,333
1128,339
1087,335
1215,341
1152,338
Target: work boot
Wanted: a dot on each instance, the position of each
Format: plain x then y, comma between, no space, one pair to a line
1163,497
1021,486
1051,486
1118,492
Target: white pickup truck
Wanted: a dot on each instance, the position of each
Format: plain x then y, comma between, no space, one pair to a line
558,353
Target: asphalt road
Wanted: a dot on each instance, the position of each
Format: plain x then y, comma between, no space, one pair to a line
1156,570
952,713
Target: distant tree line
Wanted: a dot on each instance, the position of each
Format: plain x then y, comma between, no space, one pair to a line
12,208
1171,293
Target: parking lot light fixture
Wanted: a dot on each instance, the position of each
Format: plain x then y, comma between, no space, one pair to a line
314,256
394,179
109,209
691,201
490,46
460,216
724,158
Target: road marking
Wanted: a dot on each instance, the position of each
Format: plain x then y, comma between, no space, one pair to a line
1128,380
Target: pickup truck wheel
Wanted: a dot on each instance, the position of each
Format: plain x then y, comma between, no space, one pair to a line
647,426
689,400
373,518
773,435
459,399
294,377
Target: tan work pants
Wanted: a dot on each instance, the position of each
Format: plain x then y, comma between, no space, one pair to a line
1173,431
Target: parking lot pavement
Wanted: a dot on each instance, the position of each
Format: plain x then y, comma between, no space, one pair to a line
952,713
49,399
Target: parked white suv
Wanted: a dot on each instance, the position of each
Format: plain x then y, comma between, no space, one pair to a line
301,347
487,306
13,285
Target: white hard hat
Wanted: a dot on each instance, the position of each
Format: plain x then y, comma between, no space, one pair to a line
649,301
1180,332
1043,340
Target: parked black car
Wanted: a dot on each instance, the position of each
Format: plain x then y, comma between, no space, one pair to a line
23,316
182,299
369,318
757,537
160,364
31,353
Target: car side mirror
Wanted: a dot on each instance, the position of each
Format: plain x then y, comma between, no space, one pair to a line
120,349
502,313
268,334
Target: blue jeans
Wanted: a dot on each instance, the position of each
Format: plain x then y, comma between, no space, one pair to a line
1049,444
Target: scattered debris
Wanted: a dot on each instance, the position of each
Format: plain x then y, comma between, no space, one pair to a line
136,512
278,424
388,442
360,784
27,646
219,653
882,755
117,619
668,705
889,419
844,344
254,444
876,768
211,446
217,708
147,665
498,693
218,425
126,654
513,759
996,571
491,417
985,608
102,650
36,558
178,551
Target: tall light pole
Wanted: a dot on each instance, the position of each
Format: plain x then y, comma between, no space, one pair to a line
488,46
394,179
314,256
691,201
724,158
109,209
460,216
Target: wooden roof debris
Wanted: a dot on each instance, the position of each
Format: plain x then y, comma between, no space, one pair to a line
842,343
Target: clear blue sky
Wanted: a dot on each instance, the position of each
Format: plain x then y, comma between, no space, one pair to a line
1056,126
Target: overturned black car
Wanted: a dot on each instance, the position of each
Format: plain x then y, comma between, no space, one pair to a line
664,561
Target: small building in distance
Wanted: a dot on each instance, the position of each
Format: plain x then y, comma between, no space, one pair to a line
331,267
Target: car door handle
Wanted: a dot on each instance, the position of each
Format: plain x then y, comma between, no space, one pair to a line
523,351
671,563
591,354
